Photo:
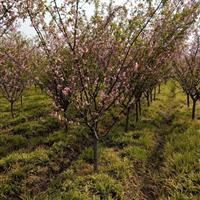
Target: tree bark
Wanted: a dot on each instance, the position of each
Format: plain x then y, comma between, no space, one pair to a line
148,102
11,109
21,99
154,94
159,89
193,109
127,119
188,100
136,111
139,106
95,154
66,122
151,97
35,87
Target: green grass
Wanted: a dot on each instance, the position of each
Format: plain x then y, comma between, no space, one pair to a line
182,153
39,160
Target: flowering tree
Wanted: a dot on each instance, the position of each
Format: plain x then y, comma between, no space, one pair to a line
188,72
104,70
153,52
57,39
89,60
14,68
86,59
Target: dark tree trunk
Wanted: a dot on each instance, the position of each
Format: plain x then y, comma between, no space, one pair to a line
148,102
154,94
35,87
11,109
159,89
136,111
139,106
66,121
193,109
188,100
127,119
151,97
21,99
95,154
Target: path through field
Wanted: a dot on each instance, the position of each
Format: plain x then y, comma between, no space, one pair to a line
151,188
153,179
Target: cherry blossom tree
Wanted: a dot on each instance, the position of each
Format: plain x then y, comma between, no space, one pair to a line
14,67
187,68
153,52
90,61
95,59
104,70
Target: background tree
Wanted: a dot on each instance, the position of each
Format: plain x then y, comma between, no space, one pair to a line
14,67
188,71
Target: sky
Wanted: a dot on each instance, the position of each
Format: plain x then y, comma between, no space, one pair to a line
29,31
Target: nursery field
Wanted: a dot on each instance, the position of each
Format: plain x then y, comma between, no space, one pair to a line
158,158
99,100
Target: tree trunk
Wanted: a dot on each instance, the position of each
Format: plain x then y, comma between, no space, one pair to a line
151,97
188,100
193,109
127,119
11,109
148,102
159,89
95,154
154,94
139,105
35,87
65,122
21,99
136,111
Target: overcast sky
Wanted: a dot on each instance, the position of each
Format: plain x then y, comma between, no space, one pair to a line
29,31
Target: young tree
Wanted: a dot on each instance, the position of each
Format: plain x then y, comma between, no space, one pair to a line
98,55
14,67
152,54
188,72
104,70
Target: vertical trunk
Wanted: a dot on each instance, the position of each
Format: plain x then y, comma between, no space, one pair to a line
154,94
193,109
65,122
188,100
21,99
95,154
151,97
11,109
136,111
148,102
139,105
159,89
35,87
127,119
